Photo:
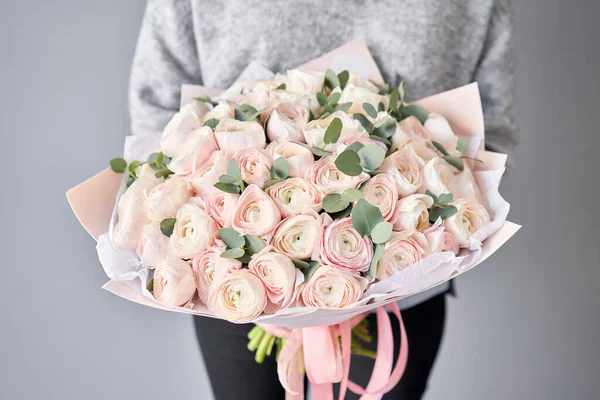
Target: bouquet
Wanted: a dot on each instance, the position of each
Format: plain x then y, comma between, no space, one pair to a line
301,201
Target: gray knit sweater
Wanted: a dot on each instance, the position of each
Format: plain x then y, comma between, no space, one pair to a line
434,45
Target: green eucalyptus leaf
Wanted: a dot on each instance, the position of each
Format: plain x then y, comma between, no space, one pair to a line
433,196
445,198
152,158
319,152
212,123
119,165
254,244
228,187
393,100
167,225
382,140
281,87
325,115
333,131
370,110
206,99
245,259
385,128
371,156
442,212
322,98
363,121
341,214
415,111
382,232
233,253
462,145
378,252
456,162
331,79
227,179
356,146
270,183
160,158
308,273
334,97
351,195
280,168
300,264
233,169
349,163
130,180
231,238
365,217
163,173
150,285
440,147
133,166
342,107
380,107
333,203
343,78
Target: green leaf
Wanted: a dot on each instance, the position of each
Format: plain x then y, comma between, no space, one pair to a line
159,159
325,115
440,147
206,99
167,226
331,79
343,78
333,131
233,253
334,97
441,212
363,121
233,169
163,173
245,259
385,128
133,166
378,252
300,264
356,146
416,111
231,238
152,158
254,244
382,140
322,98
342,107
333,203
370,110
270,183
130,180
319,152
119,165
227,179
341,214
445,198
281,87
349,163
365,217
433,196
308,273
228,187
380,107
382,232
462,145
393,100
352,195
371,156
212,123
280,168
456,162
150,286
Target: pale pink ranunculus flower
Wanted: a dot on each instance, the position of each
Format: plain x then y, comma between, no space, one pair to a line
220,206
233,135
439,130
412,213
438,177
382,192
131,210
413,128
422,148
166,198
325,175
194,231
342,247
314,131
332,287
298,157
278,274
209,267
286,121
239,297
221,111
195,150
343,144
402,250
358,95
187,120
204,178
465,185
254,165
174,282
294,195
298,236
153,246
469,218
255,213
440,240
406,168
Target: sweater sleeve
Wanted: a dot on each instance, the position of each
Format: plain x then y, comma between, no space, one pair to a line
495,75
165,58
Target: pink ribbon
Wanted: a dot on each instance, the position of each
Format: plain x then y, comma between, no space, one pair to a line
317,350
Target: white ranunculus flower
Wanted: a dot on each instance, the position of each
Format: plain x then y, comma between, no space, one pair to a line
302,82
294,195
239,297
153,246
298,157
406,168
174,283
298,236
412,213
286,121
194,231
221,111
204,178
166,198
131,210
438,177
187,120
413,128
440,131
358,95
195,150
470,217
314,131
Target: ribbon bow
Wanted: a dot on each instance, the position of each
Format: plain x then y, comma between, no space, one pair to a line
317,350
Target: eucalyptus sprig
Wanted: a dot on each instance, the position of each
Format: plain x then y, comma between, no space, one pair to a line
158,162
333,81
206,99
167,225
441,207
357,158
245,112
231,182
400,110
279,172
307,268
335,202
240,247
331,103
382,130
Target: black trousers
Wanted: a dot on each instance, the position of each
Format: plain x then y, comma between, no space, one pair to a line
235,375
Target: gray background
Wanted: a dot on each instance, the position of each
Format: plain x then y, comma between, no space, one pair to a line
524,327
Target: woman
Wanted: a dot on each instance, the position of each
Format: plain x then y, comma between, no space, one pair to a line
433,45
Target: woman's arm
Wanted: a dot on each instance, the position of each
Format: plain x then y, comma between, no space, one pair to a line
495,75
165,58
